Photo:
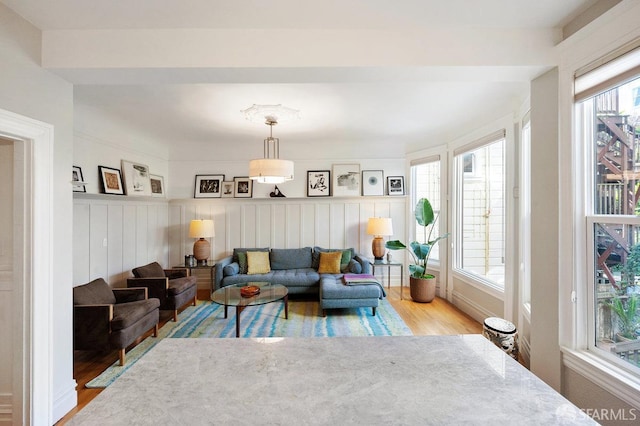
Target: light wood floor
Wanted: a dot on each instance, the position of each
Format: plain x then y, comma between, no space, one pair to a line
436,318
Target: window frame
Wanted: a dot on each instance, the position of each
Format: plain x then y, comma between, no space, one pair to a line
473,279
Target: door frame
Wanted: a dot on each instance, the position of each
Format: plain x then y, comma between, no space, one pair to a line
33,254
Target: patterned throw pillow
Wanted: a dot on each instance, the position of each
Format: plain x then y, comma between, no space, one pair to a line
258,262
330,262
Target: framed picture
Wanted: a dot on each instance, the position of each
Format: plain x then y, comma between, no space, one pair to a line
228,187
243,187
77,180
111,180
372,182
395,185
346,180
208,186
157,186
136,178
318,183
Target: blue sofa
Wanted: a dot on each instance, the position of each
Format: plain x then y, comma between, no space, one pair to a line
297,269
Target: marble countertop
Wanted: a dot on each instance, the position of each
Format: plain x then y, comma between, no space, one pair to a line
406,380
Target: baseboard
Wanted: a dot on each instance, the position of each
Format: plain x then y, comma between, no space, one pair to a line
471,308
6,408
65,402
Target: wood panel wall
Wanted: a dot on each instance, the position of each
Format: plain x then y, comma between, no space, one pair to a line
113,234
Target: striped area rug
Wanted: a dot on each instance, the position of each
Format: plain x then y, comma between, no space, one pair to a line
206,320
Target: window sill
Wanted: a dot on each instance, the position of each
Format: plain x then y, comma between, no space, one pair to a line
483,285
617,381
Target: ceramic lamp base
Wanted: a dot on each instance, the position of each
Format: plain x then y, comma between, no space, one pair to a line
377,247
201,251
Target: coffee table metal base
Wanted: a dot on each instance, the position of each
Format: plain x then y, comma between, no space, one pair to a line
239,310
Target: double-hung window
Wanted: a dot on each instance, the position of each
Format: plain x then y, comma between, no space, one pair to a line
608,129
480,210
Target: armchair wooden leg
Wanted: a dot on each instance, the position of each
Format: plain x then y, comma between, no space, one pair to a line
194,300
155,330
175,315
374,311
121,356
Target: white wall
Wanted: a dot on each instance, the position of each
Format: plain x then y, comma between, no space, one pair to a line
114,234
27,89
284,223
8,316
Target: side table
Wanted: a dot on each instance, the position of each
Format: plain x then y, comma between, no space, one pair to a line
203,273
388,264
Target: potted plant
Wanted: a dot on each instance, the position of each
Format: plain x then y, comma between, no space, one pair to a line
627,313
421,284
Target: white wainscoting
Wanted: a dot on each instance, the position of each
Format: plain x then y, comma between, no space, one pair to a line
114,234
284,223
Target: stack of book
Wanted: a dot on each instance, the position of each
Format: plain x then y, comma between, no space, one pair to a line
359,279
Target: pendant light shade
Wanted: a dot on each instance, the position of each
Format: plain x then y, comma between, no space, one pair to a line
270,169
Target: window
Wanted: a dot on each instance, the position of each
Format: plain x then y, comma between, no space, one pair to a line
609,129
480,206
426,177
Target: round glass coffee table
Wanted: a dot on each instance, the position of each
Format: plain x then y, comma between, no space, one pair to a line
269,292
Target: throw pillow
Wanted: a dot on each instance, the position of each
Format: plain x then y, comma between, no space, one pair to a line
231,269
330,262
258,262
242,262
354,267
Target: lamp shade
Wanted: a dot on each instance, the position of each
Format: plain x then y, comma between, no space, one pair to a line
381,226
201,228
271,170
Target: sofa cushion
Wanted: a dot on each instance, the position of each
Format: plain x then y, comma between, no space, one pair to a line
258,262
96,292
152,270
244,250
329,262
332,287
290,258
179,285
347,255
306,277
231,269
127,314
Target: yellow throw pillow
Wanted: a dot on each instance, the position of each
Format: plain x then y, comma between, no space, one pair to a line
258,262
330,262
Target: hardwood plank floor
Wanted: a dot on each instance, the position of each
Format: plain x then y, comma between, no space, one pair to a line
436,318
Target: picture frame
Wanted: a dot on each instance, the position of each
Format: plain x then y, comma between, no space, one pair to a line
157,186
318,183
346,180
208,186
77,180
111,180
243,187
136,178
228,189
372,182
395,185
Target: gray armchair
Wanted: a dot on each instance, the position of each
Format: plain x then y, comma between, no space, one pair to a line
173,287
106,318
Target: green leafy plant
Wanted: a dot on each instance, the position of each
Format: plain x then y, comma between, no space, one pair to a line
627,313
420,251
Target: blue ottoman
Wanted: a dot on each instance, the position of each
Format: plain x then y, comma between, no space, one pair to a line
335,294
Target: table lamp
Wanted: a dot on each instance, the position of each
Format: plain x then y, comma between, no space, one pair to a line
379,227
201,229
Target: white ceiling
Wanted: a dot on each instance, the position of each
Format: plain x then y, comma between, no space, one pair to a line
412,106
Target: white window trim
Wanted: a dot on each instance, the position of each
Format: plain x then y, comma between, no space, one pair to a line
573,301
